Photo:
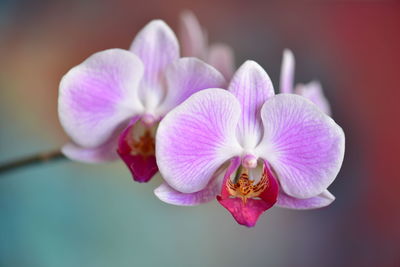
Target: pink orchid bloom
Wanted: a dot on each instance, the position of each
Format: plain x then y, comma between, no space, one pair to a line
111,103
248,147
312,90
194,41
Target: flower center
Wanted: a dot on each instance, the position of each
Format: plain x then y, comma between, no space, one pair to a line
136,148
145,146
245,188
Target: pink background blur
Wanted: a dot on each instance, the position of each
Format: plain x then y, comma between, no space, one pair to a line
71,214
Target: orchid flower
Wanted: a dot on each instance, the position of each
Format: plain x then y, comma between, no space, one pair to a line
194,43
111,103
312,90
248,147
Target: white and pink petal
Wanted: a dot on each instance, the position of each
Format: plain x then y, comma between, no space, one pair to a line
99,95
103,153
303,145
252,87
196,138
169,195
185,77
322,200
157,46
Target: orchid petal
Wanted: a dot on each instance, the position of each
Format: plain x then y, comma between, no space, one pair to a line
185,77
156,45
192,37
304,146
313,92
196,138
322,200
103,153
221,57
99,95
287,72
252,87
169,195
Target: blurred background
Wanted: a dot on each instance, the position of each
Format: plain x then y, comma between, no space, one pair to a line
72,214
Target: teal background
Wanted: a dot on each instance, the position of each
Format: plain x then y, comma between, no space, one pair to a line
71,214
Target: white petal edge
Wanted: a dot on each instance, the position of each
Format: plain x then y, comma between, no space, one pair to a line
90,155
322,200
171,196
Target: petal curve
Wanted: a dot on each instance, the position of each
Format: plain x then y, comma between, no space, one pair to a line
103,153
185,77
99,95
252,87
157,46
304,146
169,195
322,200
196,138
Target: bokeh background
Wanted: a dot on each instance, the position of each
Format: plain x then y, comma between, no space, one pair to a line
72,214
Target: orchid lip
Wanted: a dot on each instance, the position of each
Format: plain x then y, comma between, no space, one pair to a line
245,197
136,148
245,187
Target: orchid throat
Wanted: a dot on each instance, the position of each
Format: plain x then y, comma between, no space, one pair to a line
246,193
243,187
